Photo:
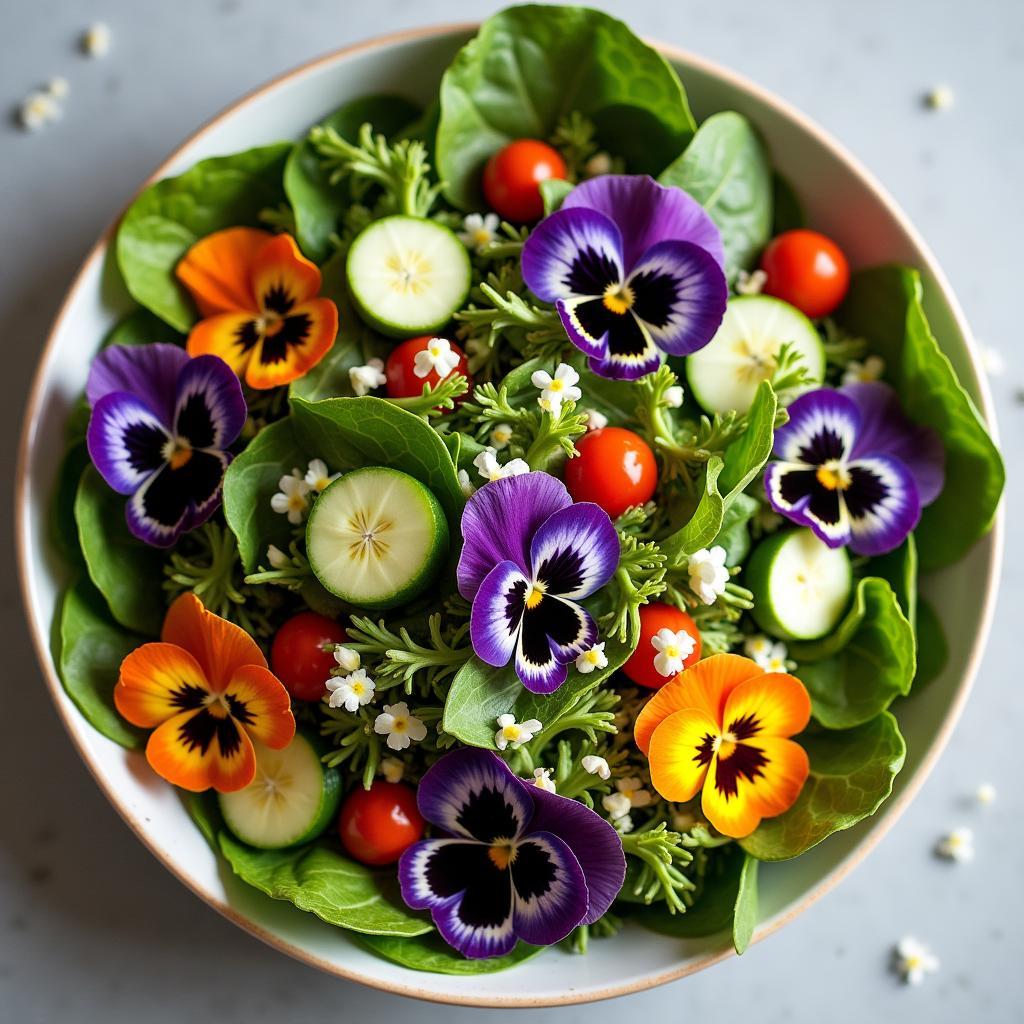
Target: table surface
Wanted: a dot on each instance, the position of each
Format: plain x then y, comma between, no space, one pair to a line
91,927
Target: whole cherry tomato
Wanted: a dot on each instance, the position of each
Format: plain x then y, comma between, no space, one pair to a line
513,175
615,468
377,824
640,666
807,270
298,657
400,369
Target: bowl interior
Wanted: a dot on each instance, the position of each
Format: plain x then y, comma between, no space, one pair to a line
839,199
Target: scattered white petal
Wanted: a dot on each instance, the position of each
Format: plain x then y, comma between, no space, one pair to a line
58,88
708,574
318,476
400,727
351,691
392,769
438,357
464,482
96,40
478,230
365,378
501,435
752,283
993,361
596,765
277,558
673,647
542,780
957,845
634,789
940,97
38,110
985,794
293,497
912,960
870,369
514,734
346,658
596,420
557,389
489,468
674,396
592,658
618,805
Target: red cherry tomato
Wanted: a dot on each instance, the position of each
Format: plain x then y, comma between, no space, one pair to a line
513,175
615,469
640,666
807,270
297,655
378,823
400,370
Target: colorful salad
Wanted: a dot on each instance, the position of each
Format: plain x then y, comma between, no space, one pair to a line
504,519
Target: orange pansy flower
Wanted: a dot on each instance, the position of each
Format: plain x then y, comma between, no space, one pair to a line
258,296
722,728
207,693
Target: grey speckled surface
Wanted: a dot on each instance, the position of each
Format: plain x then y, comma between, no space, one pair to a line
91,927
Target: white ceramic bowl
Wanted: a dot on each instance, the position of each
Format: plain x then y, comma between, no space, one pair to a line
841,199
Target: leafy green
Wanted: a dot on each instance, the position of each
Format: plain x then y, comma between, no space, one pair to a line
864,664
126,572
530,66
317,204
725,168
788,213
746,456
932,647
141,327
204,810
172,215
63,530
884,304
553,191
92,648
899,569
745,916
432,953
706,521
320,880
851,776
734,534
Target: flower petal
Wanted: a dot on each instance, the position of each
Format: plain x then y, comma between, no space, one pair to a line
882,504
126,441
774,704
647,213
587,321
149,372
575,551
679,752
823,425
554,633
631,354
794,491
537,674
199,749
304,337
218,269
258,699
210,410
230,336
158,681
282,277
550,890
498,613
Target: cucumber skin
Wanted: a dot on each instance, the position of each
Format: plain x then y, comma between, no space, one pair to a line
427,575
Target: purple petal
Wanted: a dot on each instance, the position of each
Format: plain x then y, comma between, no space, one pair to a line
883,504
647,213
626,368
162,531
680,296
886,431
823,424
550,890
150,372
210,410
126,441
498,613
478,935
572,252
538,666
571,312
472,793
596,845
575,551
566,649
499,522
794,491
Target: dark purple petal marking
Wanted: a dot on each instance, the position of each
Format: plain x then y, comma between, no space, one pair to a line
210,409
575,551
471,924
823,425
549,887
588,322
585,637
794,491
150,372
883,504
126,441
498,613
620,367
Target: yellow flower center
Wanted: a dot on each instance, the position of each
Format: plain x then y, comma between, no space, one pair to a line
511,732
619,298
535,595
724,745
672,651
833,475
592,657
502,853
400,724
358,689
177,452
481,236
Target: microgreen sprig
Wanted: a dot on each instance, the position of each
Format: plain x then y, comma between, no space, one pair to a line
663,856
640,576
435,399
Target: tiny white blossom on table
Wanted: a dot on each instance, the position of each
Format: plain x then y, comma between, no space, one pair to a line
957,845
96,40
985,794
913,960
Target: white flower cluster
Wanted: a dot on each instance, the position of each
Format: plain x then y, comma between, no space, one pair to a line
708,573
293,498
557,389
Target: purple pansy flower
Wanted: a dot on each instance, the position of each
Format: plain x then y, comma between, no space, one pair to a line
161,423
853,468
529,556
512,861
632,267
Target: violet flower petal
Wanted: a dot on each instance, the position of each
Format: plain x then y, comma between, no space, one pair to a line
210,410
613,367
472,923
537,665
575,551
823,424
126,441
549,889
880,523
794,491
432,871
578,320
497,613
150,372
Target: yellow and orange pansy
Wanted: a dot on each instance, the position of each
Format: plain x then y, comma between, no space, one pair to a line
259,301
207,693
722,728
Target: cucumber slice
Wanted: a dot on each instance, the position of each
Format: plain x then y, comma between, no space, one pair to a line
801,586
291,800
407,275
725,374
376,537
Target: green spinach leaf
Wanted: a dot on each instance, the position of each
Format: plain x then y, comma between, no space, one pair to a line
899,569
746,456
787,211
706,522
734,534
204,810
432,953
63,529
553,191
744,919
141,327
932,646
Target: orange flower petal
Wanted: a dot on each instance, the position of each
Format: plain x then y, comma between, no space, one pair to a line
282,277
758,779
231,336
680,751
705,685
260,701
220,647
218,270
300,341
158,681
198,749
775,704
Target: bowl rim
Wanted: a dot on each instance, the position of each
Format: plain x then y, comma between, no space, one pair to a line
893,809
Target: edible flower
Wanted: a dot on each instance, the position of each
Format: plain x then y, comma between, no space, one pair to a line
491,469
392,769
352,691
478,230
530,555
208,695
633,789
722,728
400,727
318,477
514,860
513,733
594,764
592,658
258,297
770,655
708,573
913,960
292,499
437,357
347,659
633,268
673,648
558,389
365,379
985,794
542,780
160,429
857,372
851,467
501,435
957,846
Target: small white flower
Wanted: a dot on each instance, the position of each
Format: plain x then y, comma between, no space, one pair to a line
464,482
277,558
542,780
437,357
596,420
593,657
858,372
513,733
913,960
957,845
558,389
96,40
674,396
39,109
318,477
365,378
293,498
771,656
618,805
752,283
478,230
58,88
985,794
347,659
351,691
490,469
993,361
624,825
595,765
708,574
673,648
399,726
501,435
633,788
599,163
940,97
392,769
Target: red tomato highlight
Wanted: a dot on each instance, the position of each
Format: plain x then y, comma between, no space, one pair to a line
297,655
640,666
807,270
378,824
513,175
615,468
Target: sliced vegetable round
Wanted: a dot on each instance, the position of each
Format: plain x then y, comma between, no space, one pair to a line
403,379
513,175
378,824
653,617
615,468
376,537
291,799
801,586
407,275
808,270
725,374
301,654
